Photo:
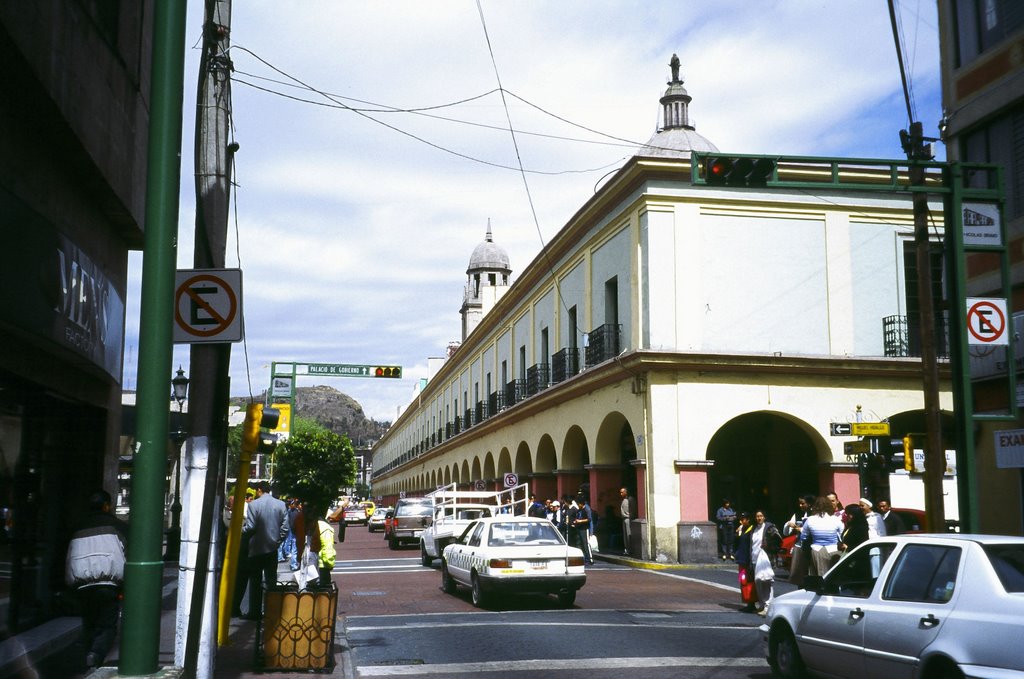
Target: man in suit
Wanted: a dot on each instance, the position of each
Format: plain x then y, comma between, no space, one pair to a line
266,522
893,522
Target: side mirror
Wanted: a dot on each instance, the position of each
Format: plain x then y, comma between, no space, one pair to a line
814,583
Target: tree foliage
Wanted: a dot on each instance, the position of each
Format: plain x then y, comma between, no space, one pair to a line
314,464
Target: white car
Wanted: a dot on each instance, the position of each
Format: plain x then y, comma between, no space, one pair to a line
923,606
516,554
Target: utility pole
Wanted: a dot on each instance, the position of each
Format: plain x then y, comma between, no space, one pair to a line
934,450
208,363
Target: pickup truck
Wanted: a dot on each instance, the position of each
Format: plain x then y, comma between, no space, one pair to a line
455,509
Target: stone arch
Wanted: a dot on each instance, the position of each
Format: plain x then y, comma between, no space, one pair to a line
478,472
764,460
523,463
547,458
575,451
466,477
447,476
488,468
615,441
504,463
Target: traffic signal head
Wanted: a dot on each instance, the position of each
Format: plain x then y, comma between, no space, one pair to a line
387,371
256,416
908,453
745,171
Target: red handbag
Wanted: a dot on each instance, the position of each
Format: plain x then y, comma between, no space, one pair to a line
748,594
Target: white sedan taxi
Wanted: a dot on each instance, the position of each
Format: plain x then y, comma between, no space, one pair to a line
943,606
516,554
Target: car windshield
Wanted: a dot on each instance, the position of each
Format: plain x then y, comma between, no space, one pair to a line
524,533
414,510
1008,562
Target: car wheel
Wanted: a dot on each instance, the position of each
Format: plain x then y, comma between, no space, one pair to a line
944,670
783,654
448,584
425,558
479,598
566,598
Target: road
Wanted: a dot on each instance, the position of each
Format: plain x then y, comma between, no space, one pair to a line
663,623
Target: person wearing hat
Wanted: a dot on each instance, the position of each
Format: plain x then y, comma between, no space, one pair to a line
876,525
558,517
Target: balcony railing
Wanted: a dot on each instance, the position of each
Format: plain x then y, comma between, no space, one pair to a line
480,412
515,391
538,377
901,337
603,343
565,364
467,419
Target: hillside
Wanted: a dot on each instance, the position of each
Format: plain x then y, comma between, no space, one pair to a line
339,412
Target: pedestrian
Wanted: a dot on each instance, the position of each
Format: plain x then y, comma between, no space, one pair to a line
798,554
876,525
242,563
835,505
571,509
765,543
893,522
95,568
725,518
267,523
821,532
581,524
536,508
744,557
557,516
627,508
320,542
288,550
857,529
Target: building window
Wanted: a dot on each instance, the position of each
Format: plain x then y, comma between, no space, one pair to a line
611,300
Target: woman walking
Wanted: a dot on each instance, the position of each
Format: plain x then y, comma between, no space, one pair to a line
765,542
745,560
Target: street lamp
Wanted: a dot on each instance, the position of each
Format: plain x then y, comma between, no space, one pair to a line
179,385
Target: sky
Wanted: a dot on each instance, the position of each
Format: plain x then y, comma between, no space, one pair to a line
375,145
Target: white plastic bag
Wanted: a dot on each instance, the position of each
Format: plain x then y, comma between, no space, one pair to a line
593,541
308,572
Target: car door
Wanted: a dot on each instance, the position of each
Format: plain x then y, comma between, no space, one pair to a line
460,556
918,595
831,631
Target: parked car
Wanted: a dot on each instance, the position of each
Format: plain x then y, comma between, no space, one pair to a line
917,605
355,514
513,554
376,520
412,515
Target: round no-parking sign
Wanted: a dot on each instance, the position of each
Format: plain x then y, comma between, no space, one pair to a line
986,321
511,480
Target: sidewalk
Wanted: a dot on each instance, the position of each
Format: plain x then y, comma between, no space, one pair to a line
49,650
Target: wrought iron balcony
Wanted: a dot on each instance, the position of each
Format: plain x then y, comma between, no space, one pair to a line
901,337
565,364
603,343
515,391
538,377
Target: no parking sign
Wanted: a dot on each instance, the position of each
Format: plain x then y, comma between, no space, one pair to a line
511,480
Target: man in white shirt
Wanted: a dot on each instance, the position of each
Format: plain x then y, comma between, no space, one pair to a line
876,526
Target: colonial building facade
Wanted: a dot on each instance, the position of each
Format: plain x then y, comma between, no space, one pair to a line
684,341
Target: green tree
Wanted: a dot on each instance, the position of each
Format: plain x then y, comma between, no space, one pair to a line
314,465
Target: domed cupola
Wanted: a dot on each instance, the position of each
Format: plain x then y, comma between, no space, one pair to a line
489,276
677,138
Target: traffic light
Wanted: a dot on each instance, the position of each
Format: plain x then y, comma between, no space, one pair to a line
903,452
387,371
908,453
256,417
738,171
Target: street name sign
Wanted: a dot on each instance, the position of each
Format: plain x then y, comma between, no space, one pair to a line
870,428
339,369
856,447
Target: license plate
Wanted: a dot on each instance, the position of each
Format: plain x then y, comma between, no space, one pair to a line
537,565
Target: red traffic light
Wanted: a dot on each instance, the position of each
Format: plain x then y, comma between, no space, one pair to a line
387,371
717,170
